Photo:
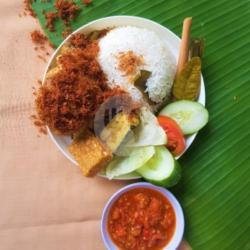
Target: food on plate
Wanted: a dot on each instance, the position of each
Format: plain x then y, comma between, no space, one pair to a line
187,82
117,129
129,62
141,218
115,103
71,95
103,90
90,153
148,132
136,49
176,141
162,169
189,115
75,87
136,158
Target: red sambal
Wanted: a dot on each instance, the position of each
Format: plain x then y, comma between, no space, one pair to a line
141,219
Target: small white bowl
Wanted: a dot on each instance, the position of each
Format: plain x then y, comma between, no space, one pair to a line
173,41
179,229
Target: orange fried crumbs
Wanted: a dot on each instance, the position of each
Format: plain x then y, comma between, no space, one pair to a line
38,37
39,124
66,32
113,92
50,17
41,43
70,98
27,8
79,40
129,62
66,10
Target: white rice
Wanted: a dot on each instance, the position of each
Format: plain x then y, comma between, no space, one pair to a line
157,57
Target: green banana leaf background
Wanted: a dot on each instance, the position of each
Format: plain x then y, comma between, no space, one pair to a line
215,188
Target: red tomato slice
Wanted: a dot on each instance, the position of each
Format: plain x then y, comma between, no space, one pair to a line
176,141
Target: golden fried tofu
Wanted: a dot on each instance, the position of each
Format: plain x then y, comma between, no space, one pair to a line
90,153
117,129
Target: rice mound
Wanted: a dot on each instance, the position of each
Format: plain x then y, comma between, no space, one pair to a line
157,59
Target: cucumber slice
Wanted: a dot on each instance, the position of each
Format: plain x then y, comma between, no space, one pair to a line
190,116
124,165
162,169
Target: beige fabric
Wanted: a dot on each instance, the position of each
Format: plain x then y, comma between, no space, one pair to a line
46,203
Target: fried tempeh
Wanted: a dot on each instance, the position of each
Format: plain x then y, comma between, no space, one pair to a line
117,129
90,153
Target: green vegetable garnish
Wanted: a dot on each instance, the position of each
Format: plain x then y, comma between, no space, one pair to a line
187,83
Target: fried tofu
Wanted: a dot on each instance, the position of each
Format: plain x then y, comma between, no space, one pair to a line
117,129
90,153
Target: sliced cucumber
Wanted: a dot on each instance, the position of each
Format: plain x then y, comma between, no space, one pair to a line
190,116
162,169
124,165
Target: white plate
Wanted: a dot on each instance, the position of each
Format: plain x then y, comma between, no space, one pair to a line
173,41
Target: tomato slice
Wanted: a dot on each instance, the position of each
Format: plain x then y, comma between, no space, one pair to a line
176,141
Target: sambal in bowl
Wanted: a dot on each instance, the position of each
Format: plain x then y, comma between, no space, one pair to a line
144,217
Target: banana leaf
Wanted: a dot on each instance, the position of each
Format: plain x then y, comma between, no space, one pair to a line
215,188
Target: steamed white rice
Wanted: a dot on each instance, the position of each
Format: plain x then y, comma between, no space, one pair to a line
157,59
